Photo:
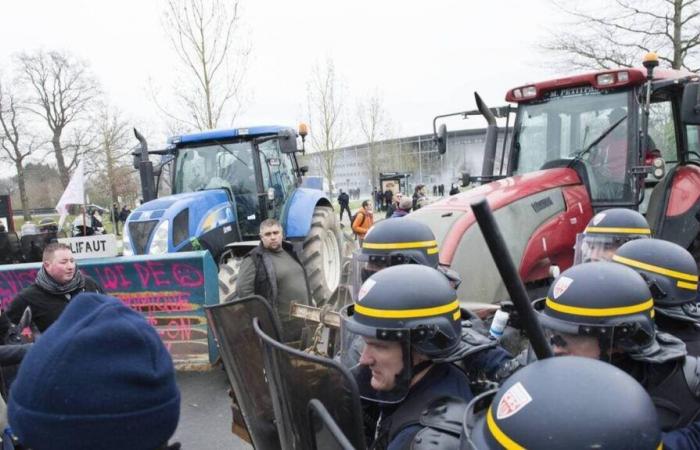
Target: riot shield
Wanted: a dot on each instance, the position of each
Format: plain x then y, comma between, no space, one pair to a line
326,434
295,379
242,354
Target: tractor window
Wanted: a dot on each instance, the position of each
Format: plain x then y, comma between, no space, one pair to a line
279,168
662,131
578,124
693,132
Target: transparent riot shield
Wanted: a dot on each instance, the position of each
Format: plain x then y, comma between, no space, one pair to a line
326,434
242,354
295,379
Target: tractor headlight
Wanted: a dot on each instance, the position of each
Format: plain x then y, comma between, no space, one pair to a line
159,243
127,249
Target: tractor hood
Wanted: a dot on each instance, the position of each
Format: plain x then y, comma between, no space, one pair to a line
188,215
499,194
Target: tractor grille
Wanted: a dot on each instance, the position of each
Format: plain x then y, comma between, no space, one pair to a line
140,232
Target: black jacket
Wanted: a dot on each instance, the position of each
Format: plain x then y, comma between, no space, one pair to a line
265,279
46,307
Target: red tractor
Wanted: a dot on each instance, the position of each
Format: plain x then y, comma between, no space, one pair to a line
615,138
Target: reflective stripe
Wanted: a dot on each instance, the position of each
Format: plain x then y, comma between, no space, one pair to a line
398,245
618,230
432,251
457,315
500,436
684,285
600,312
406,313
655,269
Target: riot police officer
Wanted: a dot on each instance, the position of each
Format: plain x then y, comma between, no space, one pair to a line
405,241
605,310
395,338
672,276
607,231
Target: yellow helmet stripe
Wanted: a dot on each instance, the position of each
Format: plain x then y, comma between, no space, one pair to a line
432,251
655,269
690,286
398,245
618,230
499,435
600,312
406,313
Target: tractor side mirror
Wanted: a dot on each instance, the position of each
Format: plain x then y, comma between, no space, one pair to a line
690,106
288,141
442,139
466,179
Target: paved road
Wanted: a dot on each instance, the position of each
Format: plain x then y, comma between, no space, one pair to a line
205,414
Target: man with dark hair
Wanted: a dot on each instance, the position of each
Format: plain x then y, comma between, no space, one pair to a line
272,270
57,282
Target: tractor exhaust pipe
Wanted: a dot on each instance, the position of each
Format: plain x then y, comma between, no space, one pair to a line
514,285
145,166
491,137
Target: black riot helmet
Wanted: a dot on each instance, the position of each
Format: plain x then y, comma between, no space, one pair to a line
561,404
607,231
603,300
671,272
407,308
392,242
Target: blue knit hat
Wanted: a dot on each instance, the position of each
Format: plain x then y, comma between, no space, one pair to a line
100,377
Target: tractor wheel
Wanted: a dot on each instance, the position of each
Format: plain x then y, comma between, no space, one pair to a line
228,277
322,254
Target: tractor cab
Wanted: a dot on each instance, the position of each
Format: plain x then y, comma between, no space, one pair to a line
252,170
594,124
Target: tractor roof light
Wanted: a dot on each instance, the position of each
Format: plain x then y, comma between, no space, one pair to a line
650,60
605,79
303,130
525,92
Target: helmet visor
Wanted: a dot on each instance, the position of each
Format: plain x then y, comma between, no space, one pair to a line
379,359
600,247
365,265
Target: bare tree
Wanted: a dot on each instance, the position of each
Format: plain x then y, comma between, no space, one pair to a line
62,92
326,114
113,158
204,34
617,33
375,125
15,141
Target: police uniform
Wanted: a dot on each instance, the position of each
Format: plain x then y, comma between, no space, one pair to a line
413,309
613,304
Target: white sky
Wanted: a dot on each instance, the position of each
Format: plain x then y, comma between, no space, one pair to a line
424,58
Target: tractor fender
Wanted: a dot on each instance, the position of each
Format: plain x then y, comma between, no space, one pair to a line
297,213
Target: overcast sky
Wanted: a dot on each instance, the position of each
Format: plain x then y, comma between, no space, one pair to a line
424,58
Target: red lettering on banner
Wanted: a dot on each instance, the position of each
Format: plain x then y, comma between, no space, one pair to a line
151,270
186,275
112,277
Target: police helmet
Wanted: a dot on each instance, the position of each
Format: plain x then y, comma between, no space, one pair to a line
48,225
408,307
557,403
671,272
392,242
607,231
602,300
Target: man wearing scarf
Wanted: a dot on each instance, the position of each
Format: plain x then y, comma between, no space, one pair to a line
57,282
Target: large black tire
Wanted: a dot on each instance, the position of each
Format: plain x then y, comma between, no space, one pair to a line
228,278
322,254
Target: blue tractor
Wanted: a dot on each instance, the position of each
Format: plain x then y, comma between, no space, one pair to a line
223,184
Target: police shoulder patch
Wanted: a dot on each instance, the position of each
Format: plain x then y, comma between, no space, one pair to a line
515,399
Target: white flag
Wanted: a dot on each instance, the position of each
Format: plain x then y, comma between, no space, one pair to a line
74,193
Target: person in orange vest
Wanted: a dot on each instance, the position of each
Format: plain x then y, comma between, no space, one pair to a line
364,218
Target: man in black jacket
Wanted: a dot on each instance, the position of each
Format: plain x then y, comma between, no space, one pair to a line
272,270
344,203
57,282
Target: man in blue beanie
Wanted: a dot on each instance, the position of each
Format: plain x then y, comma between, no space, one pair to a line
99,378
